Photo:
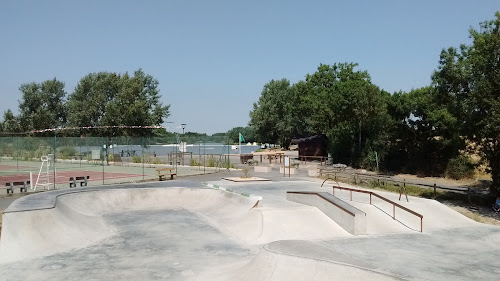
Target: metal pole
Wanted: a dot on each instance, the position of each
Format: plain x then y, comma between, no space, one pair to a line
142,155
55,148
104,155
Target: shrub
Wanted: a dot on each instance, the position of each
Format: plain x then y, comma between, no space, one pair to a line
193,162
460,167
245,172
136,159
227,165
66,152
157,161
211,162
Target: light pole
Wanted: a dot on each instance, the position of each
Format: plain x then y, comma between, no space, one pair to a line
183,127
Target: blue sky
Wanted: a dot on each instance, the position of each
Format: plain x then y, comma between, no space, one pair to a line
212,58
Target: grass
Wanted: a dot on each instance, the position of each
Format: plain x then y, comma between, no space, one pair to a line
461,198
475,216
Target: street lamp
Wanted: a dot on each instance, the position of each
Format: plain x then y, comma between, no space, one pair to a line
183,127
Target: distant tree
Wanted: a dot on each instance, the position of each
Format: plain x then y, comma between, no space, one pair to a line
343,104
274,115
110,99
10,122
470,79
425,133
247,132
42,105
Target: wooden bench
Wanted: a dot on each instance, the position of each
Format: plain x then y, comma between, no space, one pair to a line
22,186
165,172
82,180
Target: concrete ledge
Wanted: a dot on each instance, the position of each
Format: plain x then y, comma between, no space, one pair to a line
313,173
262,169
347,216
292,171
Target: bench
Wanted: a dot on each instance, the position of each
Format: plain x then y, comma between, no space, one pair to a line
82,180
165,172
10,186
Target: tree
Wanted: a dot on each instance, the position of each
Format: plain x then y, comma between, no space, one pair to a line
424,134
42,105
343,104
247,132
469,77
10,122
274,115
110,99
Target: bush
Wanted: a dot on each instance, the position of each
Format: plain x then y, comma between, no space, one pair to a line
136,159
245,172
211,162
460,167
194,162
227,165
157,161
66,152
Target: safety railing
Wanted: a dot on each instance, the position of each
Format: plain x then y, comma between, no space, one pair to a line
394,204
323,159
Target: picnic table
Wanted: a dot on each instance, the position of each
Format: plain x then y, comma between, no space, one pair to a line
270,156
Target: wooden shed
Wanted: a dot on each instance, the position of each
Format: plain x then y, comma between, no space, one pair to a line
312,147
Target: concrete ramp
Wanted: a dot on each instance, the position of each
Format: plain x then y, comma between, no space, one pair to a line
264,225
347,216
299,260
76,219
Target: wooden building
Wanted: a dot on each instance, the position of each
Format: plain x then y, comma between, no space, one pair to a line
311,148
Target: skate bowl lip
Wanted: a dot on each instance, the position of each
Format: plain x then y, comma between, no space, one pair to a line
57,208
48,200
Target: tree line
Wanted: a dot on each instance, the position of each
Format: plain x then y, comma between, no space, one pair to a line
427,130
102,99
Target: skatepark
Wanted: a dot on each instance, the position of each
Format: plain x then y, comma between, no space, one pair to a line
208,228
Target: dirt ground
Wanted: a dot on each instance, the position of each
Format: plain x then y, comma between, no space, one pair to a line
481,214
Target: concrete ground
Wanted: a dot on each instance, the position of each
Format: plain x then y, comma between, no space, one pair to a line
183,230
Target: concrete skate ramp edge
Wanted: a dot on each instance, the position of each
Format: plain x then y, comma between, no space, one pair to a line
347,216
76,220
300,260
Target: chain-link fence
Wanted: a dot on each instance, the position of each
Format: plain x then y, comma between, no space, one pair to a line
50,162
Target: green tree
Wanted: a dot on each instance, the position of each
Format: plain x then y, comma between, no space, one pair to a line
424,134
247,132
470,79
342,103
42,105
110,99
274,115
10,122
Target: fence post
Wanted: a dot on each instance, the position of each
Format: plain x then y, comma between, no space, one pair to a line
434,190
55,157
143,157
103,155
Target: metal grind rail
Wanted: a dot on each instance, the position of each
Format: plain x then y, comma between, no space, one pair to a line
394,204
324,198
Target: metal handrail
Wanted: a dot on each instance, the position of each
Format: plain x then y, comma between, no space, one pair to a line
394,204
324,198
